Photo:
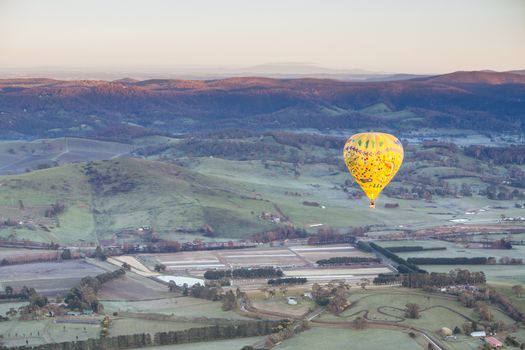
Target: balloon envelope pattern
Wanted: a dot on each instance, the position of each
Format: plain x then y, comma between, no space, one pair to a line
373,159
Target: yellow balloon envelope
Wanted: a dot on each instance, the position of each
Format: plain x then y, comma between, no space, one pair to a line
373,159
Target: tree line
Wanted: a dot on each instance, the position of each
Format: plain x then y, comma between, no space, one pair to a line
440,279
84,295
287,280
403,266
347,260
412,248
479,260
243,273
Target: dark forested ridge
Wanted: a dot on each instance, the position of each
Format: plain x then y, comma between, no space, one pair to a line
467,100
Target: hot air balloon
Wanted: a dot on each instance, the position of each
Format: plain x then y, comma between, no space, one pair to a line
373,159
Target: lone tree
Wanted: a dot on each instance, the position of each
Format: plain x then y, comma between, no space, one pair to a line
518,290
160,267
359,322
412,310
66,254
8,290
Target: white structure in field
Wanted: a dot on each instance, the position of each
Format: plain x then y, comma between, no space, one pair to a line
478,334
180,280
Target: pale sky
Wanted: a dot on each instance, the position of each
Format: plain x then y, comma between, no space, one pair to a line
410,36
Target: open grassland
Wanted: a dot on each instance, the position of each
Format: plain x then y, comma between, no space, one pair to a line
177,306
124,326
230,344
454,250
322,338
45,331
279,303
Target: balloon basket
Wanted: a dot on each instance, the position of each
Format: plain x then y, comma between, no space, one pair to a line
372,205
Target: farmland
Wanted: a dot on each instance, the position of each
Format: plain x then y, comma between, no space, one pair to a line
295,260
49,278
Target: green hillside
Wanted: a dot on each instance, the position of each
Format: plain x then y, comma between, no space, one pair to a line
218,186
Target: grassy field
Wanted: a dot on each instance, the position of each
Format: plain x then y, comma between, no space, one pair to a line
123,326
182,306
319,338
453,250
232,344
45,331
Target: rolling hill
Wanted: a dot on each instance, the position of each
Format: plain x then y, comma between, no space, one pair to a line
126,108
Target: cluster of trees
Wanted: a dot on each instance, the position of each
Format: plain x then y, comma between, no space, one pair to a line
84,295
412,248
503,193
481,260
439,279
106,181
514,154
333,296
54,210
347,260
412,310
29,258
25,293
479,298
287,280
505,260
364,246
403,266
388,278
279,234
243,273
329,236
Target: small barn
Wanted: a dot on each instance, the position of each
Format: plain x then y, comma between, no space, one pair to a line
478,334
493,342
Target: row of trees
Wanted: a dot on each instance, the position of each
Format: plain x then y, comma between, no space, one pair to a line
347,260
327,235
84,295
287,280
403,266
481,260
243,273
279,234
412,248
439,279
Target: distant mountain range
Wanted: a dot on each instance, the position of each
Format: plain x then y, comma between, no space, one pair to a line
481,100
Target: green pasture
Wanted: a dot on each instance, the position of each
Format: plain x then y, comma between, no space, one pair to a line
182,306
334,339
